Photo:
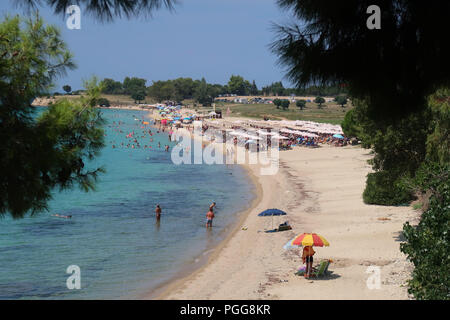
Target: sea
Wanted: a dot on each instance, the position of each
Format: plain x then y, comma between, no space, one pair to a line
112,247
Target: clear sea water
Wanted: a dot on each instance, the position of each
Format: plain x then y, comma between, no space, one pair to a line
112,235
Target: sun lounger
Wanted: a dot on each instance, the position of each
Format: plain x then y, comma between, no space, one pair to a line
322,269
319,271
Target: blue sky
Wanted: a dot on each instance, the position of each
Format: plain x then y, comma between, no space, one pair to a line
202,38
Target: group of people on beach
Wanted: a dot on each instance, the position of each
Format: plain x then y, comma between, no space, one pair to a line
209,214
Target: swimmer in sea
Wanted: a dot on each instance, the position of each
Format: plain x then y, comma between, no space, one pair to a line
158,212
61,216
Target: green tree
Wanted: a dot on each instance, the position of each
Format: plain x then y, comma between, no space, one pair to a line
319,101
40,153
301,104
133,85
238,85
103,102
391,86
203,93
106,10
138,95
184,88
285,104
350,125
162,90
277,102
111,86
276,88
327,43
254,89
427,245
341,100
67,88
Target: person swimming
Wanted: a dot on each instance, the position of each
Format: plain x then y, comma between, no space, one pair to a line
62,216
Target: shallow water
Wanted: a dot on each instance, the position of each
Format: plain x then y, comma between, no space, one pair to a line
112,236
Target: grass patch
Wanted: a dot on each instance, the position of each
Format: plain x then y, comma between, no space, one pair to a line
329,113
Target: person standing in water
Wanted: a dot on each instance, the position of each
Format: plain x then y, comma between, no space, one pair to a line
209,218
158,212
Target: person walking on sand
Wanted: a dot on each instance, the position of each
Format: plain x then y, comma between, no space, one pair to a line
209,218
307,258
158,212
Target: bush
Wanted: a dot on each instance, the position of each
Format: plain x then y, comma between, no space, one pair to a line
277,102
350,125
428,244
301,104
385,188
103,102
285,104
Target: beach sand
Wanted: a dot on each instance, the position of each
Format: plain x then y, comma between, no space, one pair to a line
321,190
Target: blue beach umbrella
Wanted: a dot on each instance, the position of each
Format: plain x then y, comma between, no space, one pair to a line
272,212
338,136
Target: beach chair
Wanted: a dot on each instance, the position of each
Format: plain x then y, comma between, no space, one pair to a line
322,269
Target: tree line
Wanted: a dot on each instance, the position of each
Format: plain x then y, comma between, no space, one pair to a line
204,93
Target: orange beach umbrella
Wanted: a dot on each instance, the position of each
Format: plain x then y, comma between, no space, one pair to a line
309,239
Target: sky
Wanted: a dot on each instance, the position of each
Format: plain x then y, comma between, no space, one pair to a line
202,38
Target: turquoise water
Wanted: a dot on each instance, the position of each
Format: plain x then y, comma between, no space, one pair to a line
112,235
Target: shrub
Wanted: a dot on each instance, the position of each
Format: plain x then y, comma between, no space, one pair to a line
350,125
385,188
285,104
103,102
301,104
428,244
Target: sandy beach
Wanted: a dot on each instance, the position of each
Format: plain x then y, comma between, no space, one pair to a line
321,190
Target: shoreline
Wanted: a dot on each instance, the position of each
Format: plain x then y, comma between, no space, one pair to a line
163,291
306,187
212,252
44,103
